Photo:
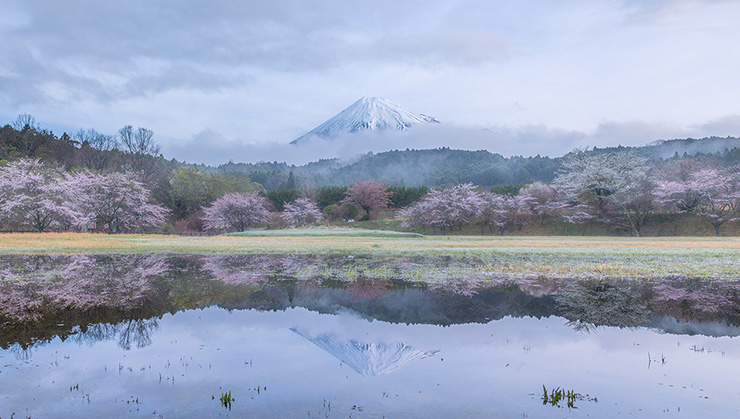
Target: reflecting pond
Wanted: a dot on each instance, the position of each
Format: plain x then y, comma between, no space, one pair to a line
342,336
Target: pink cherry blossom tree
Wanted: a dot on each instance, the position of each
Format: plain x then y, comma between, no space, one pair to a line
368,195
237,211
544,199
116,201
31,195
301,212
710,193
444,208
503,211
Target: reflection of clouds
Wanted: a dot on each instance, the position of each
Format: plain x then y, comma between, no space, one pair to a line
373,358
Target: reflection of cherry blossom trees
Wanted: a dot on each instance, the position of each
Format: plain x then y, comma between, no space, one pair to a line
116,200
709,193
238,211
595,303
31,195
301,212
691,301
444,208
80,283
368,288
235,270
466,286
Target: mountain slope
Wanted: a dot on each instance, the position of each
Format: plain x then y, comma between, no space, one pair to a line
368,113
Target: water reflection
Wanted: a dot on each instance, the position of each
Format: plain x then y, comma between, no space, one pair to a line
588,304
366,358
121,297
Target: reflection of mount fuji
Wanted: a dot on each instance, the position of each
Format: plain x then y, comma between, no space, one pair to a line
367,358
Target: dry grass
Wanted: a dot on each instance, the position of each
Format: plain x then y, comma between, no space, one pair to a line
705,257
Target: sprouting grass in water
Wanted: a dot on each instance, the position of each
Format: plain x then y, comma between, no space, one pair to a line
225,399
559,395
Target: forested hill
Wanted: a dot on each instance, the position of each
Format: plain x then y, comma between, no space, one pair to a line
444,166
666,149
434,167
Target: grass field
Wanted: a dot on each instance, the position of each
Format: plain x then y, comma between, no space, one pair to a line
555,257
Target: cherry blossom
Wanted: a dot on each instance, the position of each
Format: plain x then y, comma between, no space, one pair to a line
31,195
116,201
237,211
301,212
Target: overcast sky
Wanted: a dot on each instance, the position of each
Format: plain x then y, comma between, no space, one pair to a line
221,80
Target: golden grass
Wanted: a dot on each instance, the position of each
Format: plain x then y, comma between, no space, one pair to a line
24,243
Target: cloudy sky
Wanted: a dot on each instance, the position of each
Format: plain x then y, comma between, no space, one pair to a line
221,80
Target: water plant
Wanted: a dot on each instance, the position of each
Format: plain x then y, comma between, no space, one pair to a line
225,399
559,395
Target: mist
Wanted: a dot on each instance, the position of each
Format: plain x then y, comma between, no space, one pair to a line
213,148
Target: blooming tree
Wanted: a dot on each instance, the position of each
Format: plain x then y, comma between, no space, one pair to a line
613,185
544,199
116,201
301,212
238,210
710,193
502,211
369,195
444,208
31,195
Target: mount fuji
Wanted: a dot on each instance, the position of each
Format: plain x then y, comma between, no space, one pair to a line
367,114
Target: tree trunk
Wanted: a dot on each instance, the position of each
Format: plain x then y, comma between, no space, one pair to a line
716,229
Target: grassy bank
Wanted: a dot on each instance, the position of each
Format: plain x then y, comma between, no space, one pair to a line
656,225
552,257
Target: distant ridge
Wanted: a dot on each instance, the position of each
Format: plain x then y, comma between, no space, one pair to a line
367,114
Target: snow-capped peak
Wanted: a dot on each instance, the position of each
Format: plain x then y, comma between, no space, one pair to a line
368,113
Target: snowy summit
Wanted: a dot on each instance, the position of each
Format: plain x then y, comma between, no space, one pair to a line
368,113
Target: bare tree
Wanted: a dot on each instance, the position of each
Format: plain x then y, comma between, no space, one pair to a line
95,148
24,121
308,189
139,142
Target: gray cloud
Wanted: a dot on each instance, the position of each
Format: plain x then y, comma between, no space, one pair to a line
270,71
74,43
211,147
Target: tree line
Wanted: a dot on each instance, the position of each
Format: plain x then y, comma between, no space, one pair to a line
621,188
49,182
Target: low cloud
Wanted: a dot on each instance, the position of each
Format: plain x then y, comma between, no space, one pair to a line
213,148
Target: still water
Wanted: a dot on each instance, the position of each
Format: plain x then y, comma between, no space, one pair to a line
287,336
